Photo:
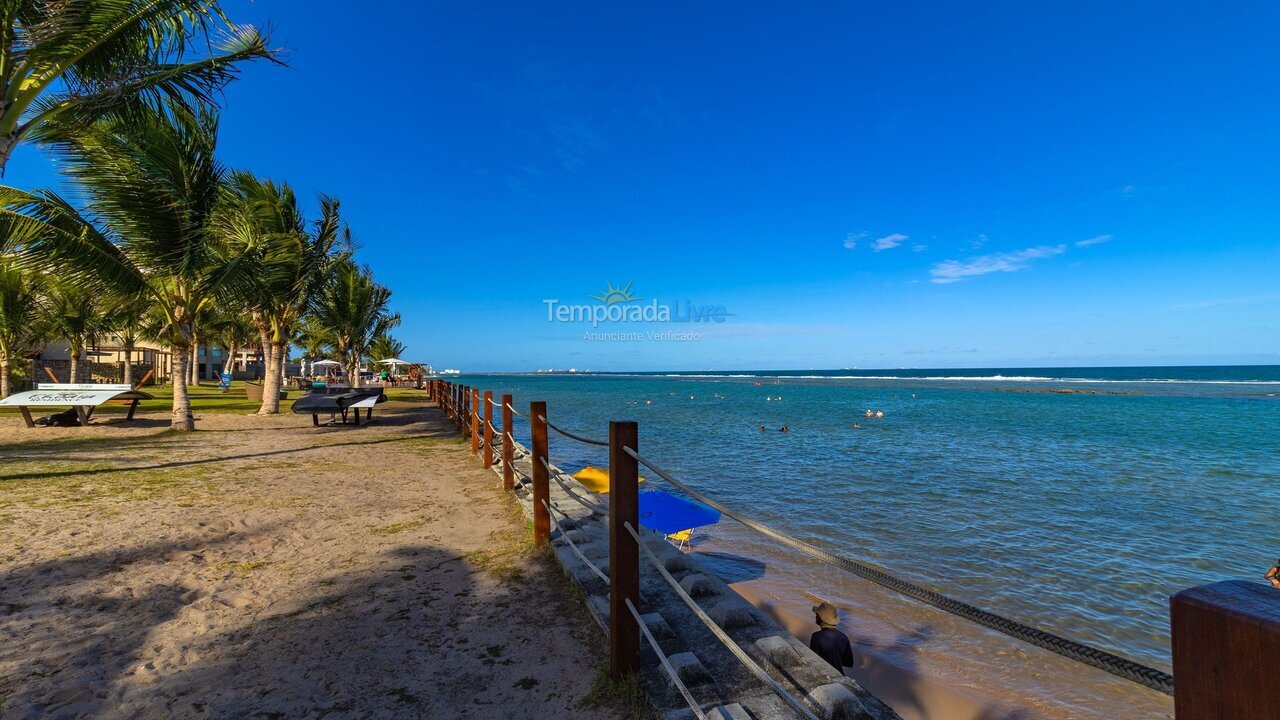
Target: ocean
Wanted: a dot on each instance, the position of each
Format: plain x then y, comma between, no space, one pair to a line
1074,499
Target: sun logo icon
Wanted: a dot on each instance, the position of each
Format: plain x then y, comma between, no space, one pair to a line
613,294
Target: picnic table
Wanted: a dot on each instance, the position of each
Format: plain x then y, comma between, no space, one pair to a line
83,397
321,402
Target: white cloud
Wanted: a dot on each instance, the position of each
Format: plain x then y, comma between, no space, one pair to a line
1093,241
851,240
888,242
919,247
979,241
949,271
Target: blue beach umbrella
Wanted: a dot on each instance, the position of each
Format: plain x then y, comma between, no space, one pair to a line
667,513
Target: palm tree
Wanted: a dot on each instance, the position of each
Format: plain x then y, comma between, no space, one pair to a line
262,218
351,310
21,310
384,347
232,331
74,313
127,319
312,341
64,64
151,184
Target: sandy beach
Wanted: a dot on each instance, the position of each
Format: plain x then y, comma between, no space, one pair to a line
261,567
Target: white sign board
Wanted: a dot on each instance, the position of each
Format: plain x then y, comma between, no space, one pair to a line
62,397
84,386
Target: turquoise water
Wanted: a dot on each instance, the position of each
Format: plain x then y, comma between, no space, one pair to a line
1077,512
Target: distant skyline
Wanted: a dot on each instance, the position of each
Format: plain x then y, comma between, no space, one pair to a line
856,185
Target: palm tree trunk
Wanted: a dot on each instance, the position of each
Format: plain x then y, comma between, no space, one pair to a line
195,361
271,383
230,365
128,366
4,377
75,364
181,418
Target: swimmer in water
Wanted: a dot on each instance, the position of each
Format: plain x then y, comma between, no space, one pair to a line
870,414
648,402
1273,575
879,414
783,429
761,428
856,426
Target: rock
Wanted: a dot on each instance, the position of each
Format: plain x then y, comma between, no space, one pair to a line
776,651
732,711
699,585
838,702
657,626
733,613
689,669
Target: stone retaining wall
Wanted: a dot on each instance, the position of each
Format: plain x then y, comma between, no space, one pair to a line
717,680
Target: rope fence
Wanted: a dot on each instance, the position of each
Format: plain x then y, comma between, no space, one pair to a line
552,509
1080,652
573,436
666,664
459,403
720,634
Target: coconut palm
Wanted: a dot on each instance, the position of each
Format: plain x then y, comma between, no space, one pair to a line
22,329
261,218
150,185
127,319
76,314
384,347
65,63
351,310
312,341
232,331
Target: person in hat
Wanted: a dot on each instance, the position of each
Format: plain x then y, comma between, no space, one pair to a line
829,643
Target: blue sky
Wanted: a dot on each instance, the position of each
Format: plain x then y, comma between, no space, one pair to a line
873,185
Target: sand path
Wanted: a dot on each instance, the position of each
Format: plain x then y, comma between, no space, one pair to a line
265,568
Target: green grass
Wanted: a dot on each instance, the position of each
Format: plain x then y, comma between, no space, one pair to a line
397,527
625,697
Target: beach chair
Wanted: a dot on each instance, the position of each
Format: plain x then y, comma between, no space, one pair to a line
682,538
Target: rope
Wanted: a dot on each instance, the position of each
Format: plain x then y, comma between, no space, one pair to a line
515,411
720,634
550,511
579,438
1101,659
555,474
666,664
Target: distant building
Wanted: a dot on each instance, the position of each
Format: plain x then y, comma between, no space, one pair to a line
104,362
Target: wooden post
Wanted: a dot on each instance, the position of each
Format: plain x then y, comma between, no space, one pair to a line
541,489
47,370
624,554
488,429
475,421
1226,651
464,410
508,446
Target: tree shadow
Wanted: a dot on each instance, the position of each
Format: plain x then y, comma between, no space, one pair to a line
417,637
77,641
